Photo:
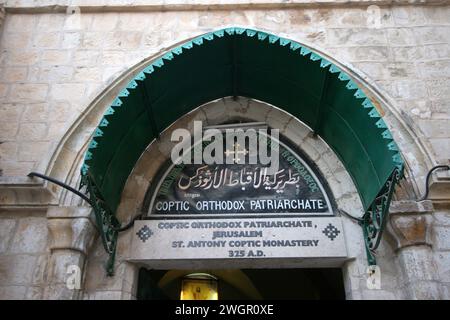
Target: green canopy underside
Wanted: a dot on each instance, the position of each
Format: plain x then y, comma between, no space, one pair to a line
253,64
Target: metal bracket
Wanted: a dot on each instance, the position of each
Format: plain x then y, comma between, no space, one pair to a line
374,220
107,225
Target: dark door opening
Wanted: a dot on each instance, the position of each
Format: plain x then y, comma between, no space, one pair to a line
295,284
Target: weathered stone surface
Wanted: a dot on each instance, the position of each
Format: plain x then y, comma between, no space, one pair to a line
441,237
29,92
67,91
70,228
16,269
43,92
410,230
12,292
7,227
31,236
32,131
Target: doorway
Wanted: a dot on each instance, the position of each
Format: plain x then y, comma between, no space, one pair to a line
252,284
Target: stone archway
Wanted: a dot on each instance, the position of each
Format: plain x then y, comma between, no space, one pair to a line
75,142
215,112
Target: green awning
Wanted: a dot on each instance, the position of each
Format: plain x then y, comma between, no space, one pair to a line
253,64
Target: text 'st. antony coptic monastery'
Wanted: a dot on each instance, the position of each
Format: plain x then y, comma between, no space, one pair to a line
313,141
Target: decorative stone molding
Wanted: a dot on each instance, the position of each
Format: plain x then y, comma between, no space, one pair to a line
24,6
409,227
70,228
72,233
409,223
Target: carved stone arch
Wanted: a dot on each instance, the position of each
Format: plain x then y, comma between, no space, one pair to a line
68,155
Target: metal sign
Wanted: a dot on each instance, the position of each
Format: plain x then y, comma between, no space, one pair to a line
238,239
241,189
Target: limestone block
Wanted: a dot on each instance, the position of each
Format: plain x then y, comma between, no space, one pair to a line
432,35
3,90
435,69
420,108
78,22
10,112
34,293
313,35
92,74
20,22
16,41
408,15
47,40
67,91
401,36
16,269
55,57
366,53
442,259
13,74
32,131
110,74
277,119
435,128
409,89
86,57
437,16
296,131
300,18
423,290
30,236
12,292
409,53
105,21
8,130
59,264
56,130
134,21
440,109
441,218
7,228
32,151
50,22
113,57
56,73
378,295
352,204
441,237
108,295
8,151
16,168
29,92
356,37
122,40
97,279
40,270
71,40
74,234
24,58
36,112
417,264
215,112
93,40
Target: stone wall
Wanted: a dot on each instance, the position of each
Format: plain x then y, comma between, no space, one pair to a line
54,64
56,60
441,248
23,254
